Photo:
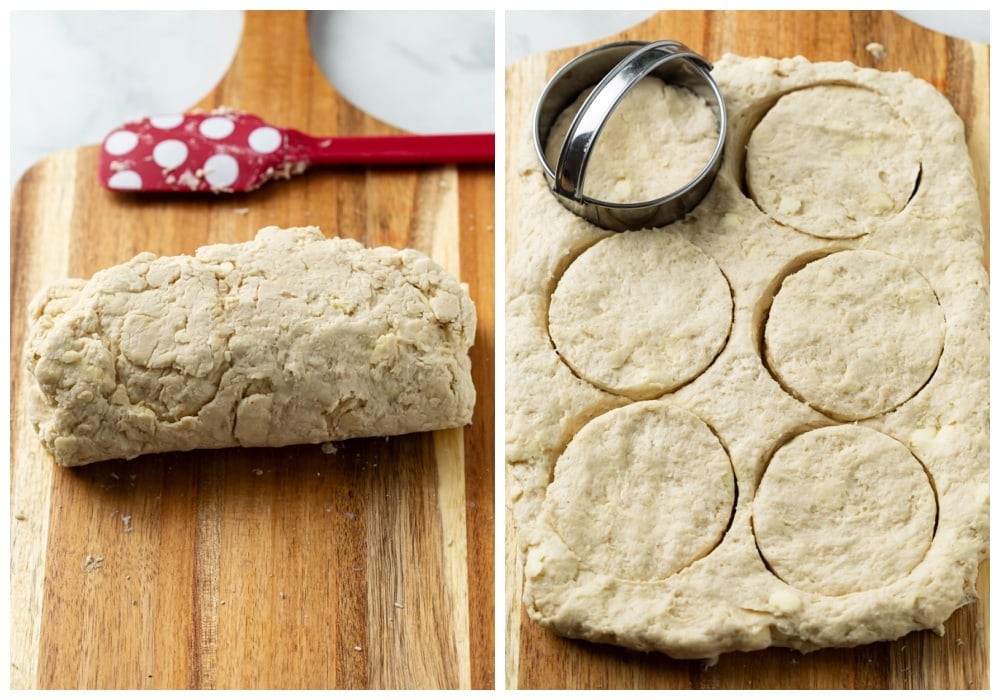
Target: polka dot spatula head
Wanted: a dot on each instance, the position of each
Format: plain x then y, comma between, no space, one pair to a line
229,151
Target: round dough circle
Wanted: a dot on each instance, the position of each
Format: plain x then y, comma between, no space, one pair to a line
854,334
843,509
640,313
642,491
638,157
832,161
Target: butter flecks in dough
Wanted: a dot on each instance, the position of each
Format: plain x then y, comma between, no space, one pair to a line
843,509
289,338
728,599
854,334
827,139
672,140
640,313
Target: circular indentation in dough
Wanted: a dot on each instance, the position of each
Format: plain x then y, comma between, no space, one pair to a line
170,153
643,491
843,509
216,127
656,141
854,334
221,170
832,161
641,313
120,142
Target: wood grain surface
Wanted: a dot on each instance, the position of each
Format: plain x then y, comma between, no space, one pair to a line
257,568
960,70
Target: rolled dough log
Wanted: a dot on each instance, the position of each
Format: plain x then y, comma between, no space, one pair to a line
291,338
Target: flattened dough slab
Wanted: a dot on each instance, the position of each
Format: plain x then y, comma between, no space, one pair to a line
914,331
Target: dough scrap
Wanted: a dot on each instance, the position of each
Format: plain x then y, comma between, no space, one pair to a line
728,599
291,338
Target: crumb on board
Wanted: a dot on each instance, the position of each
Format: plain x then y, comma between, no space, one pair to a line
92,563
127,523
357,648
876,49
328,448
397,605
241,211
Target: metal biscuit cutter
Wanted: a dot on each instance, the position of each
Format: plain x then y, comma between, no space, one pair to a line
616,68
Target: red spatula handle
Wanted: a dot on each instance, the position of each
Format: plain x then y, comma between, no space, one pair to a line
400,149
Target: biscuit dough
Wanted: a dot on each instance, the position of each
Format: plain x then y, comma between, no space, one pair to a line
289,338
913,297
843,509
854,334
668,132
827,138
640,314
680,469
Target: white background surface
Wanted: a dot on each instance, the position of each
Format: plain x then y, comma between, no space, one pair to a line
75,76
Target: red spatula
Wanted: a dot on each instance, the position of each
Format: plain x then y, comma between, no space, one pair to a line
228,151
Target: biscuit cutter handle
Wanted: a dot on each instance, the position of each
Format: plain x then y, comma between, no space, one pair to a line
596,109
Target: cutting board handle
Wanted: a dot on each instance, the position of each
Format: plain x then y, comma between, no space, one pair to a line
274,74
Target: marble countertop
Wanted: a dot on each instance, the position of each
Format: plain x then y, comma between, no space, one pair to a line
77,75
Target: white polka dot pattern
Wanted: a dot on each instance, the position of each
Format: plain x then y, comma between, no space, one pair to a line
170,153
120,142
265,139
221,170
167,121
125,180
198,152
216,128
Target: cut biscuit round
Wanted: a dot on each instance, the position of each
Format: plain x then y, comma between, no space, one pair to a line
832,161
642,492
640,313
843,509
656,141
854,334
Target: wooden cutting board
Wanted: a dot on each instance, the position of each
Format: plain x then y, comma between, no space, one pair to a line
959,69
257,568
